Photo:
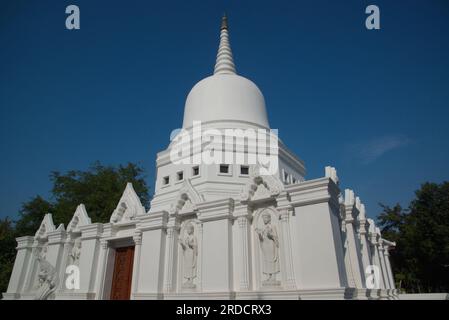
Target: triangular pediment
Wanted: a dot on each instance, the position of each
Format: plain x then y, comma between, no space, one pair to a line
128,207
187,199
79,219
46,226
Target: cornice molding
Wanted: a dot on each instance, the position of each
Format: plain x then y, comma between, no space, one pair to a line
153,221
91,231
24,242
314,192
216,210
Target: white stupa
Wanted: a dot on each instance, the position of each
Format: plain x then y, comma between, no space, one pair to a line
215,229
225,96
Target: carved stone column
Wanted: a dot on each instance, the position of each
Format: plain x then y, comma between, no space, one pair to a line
30,273
21,265
365,250
68,245
171,255
376,260
102,265
55,247
388,267
244,250
287,249
384,265
353,253
136,264
200,260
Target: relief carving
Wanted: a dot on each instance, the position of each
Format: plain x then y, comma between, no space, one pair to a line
47,277
189,245
75,253
269,247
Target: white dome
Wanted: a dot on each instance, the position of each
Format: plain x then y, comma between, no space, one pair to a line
225,98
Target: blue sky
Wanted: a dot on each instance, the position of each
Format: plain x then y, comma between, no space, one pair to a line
374,104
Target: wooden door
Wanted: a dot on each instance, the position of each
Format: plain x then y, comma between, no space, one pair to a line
123,273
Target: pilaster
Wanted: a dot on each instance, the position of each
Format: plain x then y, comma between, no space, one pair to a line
89,258
285,213
351,213
171,255
388,267
243,219
383,264
68,245
21,265
137,238
376,260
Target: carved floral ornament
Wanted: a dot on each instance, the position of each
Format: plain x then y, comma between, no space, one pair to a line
261,187
48,280
46,277
129,206
79,219
46,226
187,200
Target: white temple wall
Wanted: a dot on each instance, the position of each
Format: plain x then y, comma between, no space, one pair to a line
217,256
354,256
296,249
31,277
365,249
151,265
384,266
242,249
90,244
21,263
55,249
338,244
238,237
105,272
230,257
377,262
321,258
388,266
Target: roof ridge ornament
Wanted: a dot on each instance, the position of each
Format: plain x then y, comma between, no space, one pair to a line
225,62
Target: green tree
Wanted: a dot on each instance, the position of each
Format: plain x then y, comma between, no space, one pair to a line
7,251
99,188
31,215
421,258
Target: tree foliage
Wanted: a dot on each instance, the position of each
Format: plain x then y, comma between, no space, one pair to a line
7,251
99,188
31,215
421,232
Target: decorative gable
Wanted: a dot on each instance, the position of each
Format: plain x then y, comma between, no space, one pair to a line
261,187
187,199
79,219
46,226
128,207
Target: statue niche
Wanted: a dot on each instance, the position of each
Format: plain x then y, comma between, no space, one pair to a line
189,246
268,238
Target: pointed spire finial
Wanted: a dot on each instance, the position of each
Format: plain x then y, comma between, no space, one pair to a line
224,22
225,62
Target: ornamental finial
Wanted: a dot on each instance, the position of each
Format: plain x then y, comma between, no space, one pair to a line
225,62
